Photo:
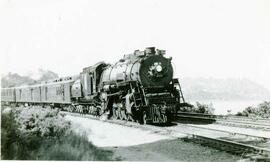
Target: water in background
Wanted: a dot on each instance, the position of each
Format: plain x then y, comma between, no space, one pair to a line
222,107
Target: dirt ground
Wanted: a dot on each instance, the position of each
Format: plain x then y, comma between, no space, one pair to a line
171,150
133,144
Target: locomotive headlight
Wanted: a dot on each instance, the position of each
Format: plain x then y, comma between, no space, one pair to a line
159,68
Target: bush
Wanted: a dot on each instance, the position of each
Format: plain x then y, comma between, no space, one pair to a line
42,134
261,110
73,147
42,122
9,136
204,108
199,108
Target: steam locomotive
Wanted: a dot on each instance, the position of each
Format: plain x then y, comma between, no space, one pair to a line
139,87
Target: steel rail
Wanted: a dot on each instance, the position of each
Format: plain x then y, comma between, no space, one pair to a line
249,124
231,117
225,131
249,151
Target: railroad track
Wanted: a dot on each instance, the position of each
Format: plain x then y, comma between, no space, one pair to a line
246,119
249,146
221,140
228,117
259,124
246,151
265,127
210,130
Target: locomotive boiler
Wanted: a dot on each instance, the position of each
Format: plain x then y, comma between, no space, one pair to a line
149,68
139,87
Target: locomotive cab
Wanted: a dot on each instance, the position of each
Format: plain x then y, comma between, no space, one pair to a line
90,78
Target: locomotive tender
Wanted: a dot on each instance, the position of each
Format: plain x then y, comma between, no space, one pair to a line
138,87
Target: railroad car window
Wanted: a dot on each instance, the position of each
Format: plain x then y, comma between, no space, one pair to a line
85,81
20,92
63,92
46,91
40,93
31,91
91,84
58,90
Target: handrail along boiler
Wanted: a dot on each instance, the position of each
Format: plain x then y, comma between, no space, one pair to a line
140,86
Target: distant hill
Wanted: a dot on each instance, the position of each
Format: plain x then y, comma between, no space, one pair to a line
14,79
223,89
42,75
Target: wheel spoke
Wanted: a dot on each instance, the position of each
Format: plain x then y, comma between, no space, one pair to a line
124,116
143,117
118,113
114,113
130,118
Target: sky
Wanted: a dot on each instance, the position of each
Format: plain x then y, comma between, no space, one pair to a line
205,38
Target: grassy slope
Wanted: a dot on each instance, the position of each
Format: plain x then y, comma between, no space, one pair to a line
18,146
